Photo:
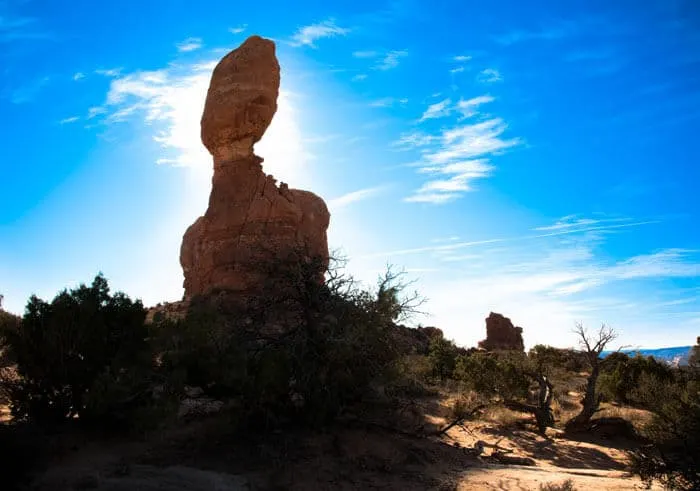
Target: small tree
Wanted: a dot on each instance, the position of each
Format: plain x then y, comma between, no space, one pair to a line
506,379
674,432
442,355
592,345
299,350
620,375
62,348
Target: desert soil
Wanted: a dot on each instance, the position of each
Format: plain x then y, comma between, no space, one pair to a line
201,456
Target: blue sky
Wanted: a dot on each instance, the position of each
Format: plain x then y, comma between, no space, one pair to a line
537,159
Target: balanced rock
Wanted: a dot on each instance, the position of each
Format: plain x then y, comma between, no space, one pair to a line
501,334
250,221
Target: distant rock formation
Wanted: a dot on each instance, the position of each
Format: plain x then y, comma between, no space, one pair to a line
501,334
250,221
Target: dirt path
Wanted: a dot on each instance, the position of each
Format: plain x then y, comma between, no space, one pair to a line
522,478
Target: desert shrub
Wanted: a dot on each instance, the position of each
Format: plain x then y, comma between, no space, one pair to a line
442,354
8,322
506,377
492,375
63,349
674,454
300,351
620,375
549,359
567,485
411,376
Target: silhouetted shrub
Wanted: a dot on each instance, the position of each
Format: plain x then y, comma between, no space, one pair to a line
674,455
75,354
548,358
442,354
299,351
8,322
493,375
412,376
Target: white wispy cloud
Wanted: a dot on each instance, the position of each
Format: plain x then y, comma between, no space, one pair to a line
359,77
385,60
391,60
109,72
72,119
189,44
308,35
170,102
414,139
461,58
437,110
461,152
573,222
489,75
388,102
354,197
469,107
546,283
548,33
365,54
78,76
444,108
95,111
455,156
458,179
438,240
471,141
459,69
29,91
238,29
385,102
20,28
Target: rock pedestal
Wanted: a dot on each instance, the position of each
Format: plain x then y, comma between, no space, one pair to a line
501,334
250,221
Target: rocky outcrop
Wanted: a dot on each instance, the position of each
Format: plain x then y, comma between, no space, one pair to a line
501,334
250,221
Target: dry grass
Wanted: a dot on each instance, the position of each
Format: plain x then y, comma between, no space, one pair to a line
567,485
504,417
461,405
638,417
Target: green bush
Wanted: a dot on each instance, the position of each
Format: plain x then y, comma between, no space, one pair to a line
492,375
442,354
620,375
63,349
674,456
548,359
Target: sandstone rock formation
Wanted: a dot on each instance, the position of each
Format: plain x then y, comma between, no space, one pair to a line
250,221
501,334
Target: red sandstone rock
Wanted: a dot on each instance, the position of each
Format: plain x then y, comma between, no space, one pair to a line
250,221
501,334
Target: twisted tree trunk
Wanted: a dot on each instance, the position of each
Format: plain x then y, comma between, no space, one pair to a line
542,411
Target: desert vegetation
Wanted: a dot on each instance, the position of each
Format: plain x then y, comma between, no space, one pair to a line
312,355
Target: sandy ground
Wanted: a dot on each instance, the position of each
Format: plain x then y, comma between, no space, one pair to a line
522,478
200,456
203,455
